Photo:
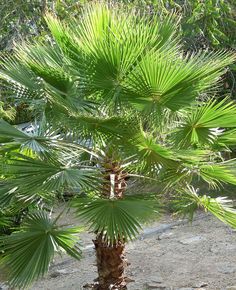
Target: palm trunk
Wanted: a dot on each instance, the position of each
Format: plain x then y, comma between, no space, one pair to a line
111,264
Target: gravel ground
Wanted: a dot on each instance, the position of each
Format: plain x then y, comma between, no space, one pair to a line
170,255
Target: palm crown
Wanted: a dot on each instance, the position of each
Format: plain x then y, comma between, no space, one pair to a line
116,98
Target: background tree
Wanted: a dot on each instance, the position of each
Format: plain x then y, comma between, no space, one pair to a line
22,21
118,99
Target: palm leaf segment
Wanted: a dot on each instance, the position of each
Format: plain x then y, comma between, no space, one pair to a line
205,123
32,176
27,253
188,201
40,142
116,219
34,165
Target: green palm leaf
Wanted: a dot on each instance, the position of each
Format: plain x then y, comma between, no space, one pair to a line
218,173
115,219
44,141
152,156
188,201
7,194
98,127
160,81
31,176
18,74
9,132
201,122
227,138
8,113
5,221
27,253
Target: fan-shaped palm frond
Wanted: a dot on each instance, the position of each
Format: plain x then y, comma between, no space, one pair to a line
101,127
7,194
158,80
44,141
218,173
27,253
13,139
214,173
110,44
227,138
18,74
31,176
9,132
116,219
201,123
187,201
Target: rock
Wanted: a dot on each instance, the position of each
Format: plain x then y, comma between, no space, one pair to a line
60,272
165,236
153,285
192,240
200,285
227,269
54,275
156,279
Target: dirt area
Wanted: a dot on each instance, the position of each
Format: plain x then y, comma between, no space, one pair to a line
169,255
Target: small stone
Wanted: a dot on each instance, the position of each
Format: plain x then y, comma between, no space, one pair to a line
54,275
200,285
156,279
192,240
165,236
60,272
153,285
174,227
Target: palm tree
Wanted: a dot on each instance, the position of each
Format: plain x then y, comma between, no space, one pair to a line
117,100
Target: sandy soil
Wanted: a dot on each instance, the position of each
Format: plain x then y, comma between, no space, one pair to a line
184,256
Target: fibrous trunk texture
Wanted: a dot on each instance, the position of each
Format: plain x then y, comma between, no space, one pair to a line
111,264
